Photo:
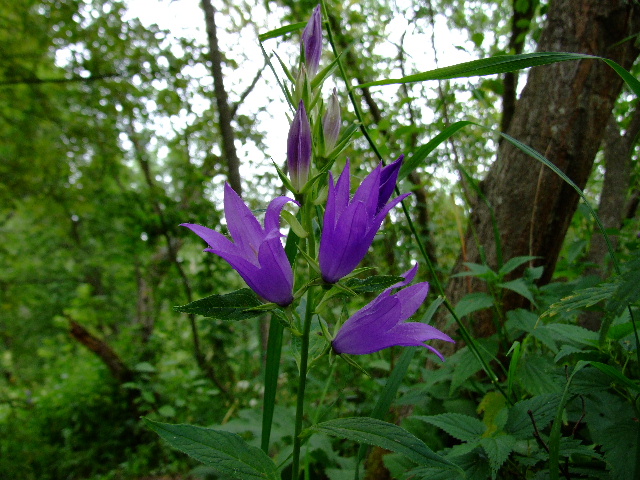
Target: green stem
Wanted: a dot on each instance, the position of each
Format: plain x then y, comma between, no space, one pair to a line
302,383
274,351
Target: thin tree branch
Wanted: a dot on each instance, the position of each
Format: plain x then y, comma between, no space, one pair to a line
245,94
204,365
224,111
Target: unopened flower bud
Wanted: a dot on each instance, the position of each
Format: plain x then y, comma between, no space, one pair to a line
312,42
331,123
299,149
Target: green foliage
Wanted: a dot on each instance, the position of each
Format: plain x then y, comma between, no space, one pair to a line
226,452
107,144
230,306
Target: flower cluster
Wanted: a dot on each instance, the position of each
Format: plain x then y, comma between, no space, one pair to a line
349,225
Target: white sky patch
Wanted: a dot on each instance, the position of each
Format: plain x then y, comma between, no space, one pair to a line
185,18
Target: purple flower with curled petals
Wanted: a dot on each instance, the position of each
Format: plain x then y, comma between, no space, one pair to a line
299,148
256,253
382,323
351,224
312,42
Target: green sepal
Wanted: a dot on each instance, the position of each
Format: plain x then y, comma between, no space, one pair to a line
285,69
284,178
353,363
294,224
312,263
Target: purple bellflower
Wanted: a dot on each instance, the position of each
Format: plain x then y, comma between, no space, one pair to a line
382,323
256,253
299,148
351,224
312,42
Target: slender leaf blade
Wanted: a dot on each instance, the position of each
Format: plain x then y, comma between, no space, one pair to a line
485,66
278,32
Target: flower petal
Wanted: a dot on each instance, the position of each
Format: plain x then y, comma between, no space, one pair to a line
272,217
245,229
274,281
388,180
342,191
214,239
342,249
369,190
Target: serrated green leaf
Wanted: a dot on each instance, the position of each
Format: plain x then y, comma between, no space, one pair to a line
466,363
514,263
231,306
627,291
382,434
477,270
564,334
226,452
543,408
473,302
498,449
612,423
618,332
520,287
538,375
520,320
462,427
582,299
473,463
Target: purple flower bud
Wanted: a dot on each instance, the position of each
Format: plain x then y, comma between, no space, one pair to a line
312,42
331,123
350,225
299,148
256,253
381,324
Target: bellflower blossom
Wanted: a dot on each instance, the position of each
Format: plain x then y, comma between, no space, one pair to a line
351,224
381,324
299,148
256,253
312,42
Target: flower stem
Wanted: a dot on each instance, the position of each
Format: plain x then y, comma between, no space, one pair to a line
304,358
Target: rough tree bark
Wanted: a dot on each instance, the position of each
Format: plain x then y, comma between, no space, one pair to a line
225,114
562,114
618,150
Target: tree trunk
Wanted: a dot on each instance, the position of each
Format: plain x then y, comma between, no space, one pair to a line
520,22
222,102
618,150
562,114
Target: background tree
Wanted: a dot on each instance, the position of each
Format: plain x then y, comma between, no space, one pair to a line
562,113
